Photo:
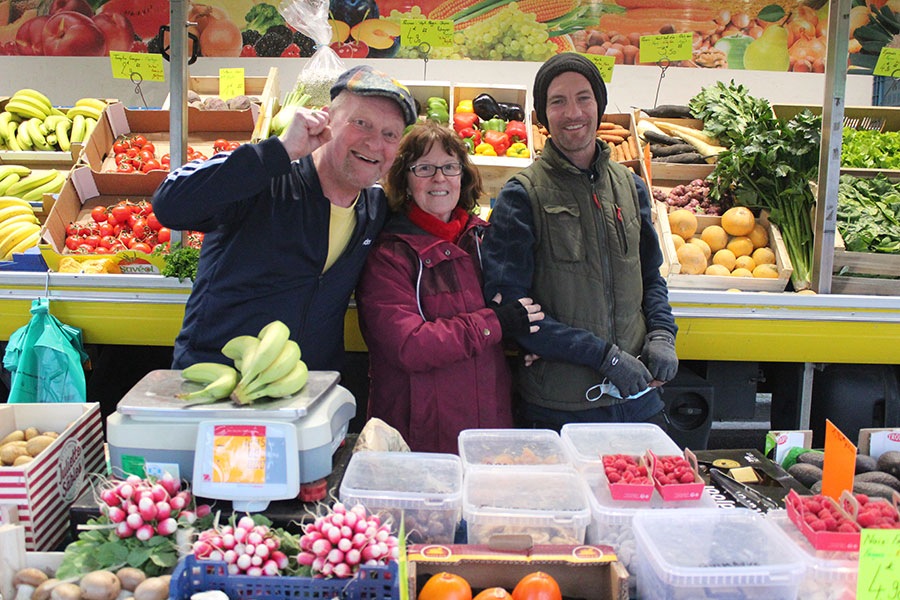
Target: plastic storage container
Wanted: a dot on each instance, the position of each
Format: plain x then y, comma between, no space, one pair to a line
828,575
551,506
586,443
426,487
512,448
714,554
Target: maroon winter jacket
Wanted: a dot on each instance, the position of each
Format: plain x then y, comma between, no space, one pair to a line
436,362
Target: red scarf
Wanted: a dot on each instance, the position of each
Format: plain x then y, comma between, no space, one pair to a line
449,231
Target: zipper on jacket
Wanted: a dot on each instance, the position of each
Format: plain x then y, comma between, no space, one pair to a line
604,263
620,229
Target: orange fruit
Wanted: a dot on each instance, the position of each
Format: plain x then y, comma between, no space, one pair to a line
715,237
717,270
683,222
759,236
741,272
726,258
446,586
738,221
494,593
763,256
692,259
744,262
766,271
741,246
537,586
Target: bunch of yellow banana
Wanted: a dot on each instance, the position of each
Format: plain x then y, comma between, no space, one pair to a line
30,122
19,228
10,174
220,380
30,186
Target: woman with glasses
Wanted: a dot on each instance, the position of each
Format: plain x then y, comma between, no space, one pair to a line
436,362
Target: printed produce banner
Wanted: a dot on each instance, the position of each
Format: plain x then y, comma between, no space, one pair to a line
780,35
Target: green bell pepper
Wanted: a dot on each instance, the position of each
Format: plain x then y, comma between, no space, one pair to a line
470,145
439,114
495,124
437,101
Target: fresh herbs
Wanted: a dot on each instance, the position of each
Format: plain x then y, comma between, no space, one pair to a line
868,215
181,261
869,149
729,111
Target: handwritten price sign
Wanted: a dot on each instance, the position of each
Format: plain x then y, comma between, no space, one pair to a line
148,67
604,64
888,62
437,33
670,46
231,83
879,565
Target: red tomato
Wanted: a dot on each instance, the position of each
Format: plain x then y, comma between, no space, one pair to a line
108,241
126,238
164,235
121,146
190,149
139,228
151,165
132,218
125,167
153,222
102,250
72,229
83,229
118,229
121,213
110,219
92,240
234,145
149,147
143,208
132,152
144,156
220,144
138,141
106,229
99,214
84,249
165,160
72,242
121,157
141,247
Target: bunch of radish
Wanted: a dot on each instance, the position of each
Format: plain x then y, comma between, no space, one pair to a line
247,548
143,507
335,545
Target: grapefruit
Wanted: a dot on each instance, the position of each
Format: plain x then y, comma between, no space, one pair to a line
715,237
738,221
692,259
683,222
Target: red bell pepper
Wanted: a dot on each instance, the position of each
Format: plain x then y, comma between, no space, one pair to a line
468,132
464,120
499,140
516,131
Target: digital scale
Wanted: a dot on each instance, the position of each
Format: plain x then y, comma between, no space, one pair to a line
152,432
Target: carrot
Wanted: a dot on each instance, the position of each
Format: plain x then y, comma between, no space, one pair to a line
604,126
634,148
650,24
613,139
626,151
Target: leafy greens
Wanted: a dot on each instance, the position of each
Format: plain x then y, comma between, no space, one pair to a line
729,111
869,149
868,215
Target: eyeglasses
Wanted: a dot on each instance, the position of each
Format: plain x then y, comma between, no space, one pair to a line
449,170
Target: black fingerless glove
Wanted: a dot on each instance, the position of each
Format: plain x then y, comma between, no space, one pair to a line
513,318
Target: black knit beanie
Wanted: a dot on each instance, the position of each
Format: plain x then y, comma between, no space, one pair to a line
558,64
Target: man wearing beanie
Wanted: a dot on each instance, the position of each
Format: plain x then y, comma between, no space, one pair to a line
288,222
573,232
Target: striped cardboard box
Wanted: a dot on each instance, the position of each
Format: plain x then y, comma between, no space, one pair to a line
44,489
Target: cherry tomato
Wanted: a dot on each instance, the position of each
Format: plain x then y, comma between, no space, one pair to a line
83,229
138,141
106,229
98,214
139,228
220,144
72,242
153,222
102,250
149,147
143,208
151,165
132,218
144,156
234,145
118,229
84,249
121,213
92,240
126,238
108,241
190,149
121,157
72,229
141,247
121,146
165,160
125,167
200,156
164,235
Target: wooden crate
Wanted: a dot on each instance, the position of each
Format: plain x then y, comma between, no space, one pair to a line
671,268
670,171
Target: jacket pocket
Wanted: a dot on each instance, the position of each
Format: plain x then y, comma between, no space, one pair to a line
564,231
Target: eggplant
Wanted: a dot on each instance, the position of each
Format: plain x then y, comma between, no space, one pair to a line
486,107
511,111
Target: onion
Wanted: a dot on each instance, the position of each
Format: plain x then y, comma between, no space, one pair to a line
221,37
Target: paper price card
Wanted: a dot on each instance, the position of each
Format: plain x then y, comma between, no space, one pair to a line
147,67
888,62
231,83
437,33
239,454
879,565
670,46
840,462
604,64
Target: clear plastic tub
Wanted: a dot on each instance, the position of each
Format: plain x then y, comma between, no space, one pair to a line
714,554
426,487
512,448
586,443
551,506
829,575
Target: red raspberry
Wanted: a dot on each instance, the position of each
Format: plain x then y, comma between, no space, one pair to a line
862,499
817,525
831,523
847,528
687,478
866,519
613,477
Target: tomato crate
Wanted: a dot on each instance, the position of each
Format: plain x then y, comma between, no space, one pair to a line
370,583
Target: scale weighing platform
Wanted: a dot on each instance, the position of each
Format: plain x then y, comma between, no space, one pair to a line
152,432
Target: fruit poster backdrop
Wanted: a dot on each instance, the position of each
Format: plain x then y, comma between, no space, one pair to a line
782,35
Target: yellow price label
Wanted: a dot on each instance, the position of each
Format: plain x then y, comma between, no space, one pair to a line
231,83
147,67
888,62
879,565
604,64
840,462
437,33
670,46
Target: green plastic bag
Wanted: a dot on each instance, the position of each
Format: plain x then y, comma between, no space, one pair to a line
45,358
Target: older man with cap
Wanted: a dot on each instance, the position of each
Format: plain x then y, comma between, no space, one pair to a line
573,231
288,222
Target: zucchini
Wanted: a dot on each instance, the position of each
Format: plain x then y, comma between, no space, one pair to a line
689,158
670,111
660,138
663,150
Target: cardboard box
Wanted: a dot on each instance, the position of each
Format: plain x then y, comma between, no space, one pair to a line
876,441
81,193
43,490
589,572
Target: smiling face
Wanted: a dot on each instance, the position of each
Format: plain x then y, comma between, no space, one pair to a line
572,117
366,132
437,195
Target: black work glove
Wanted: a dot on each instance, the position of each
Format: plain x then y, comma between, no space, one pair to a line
659,354
513,318
625,372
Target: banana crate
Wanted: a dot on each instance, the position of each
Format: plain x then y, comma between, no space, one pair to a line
36,134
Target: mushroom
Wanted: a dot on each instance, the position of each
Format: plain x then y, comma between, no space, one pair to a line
66,591
26,581
130,578
154,588
100,585
43,591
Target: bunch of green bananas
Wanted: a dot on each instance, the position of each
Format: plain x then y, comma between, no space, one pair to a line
19,228
269,364
30,122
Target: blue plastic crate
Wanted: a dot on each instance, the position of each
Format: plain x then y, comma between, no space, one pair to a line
370,583
885,91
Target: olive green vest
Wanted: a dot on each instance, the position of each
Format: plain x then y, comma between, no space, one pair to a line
587,268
